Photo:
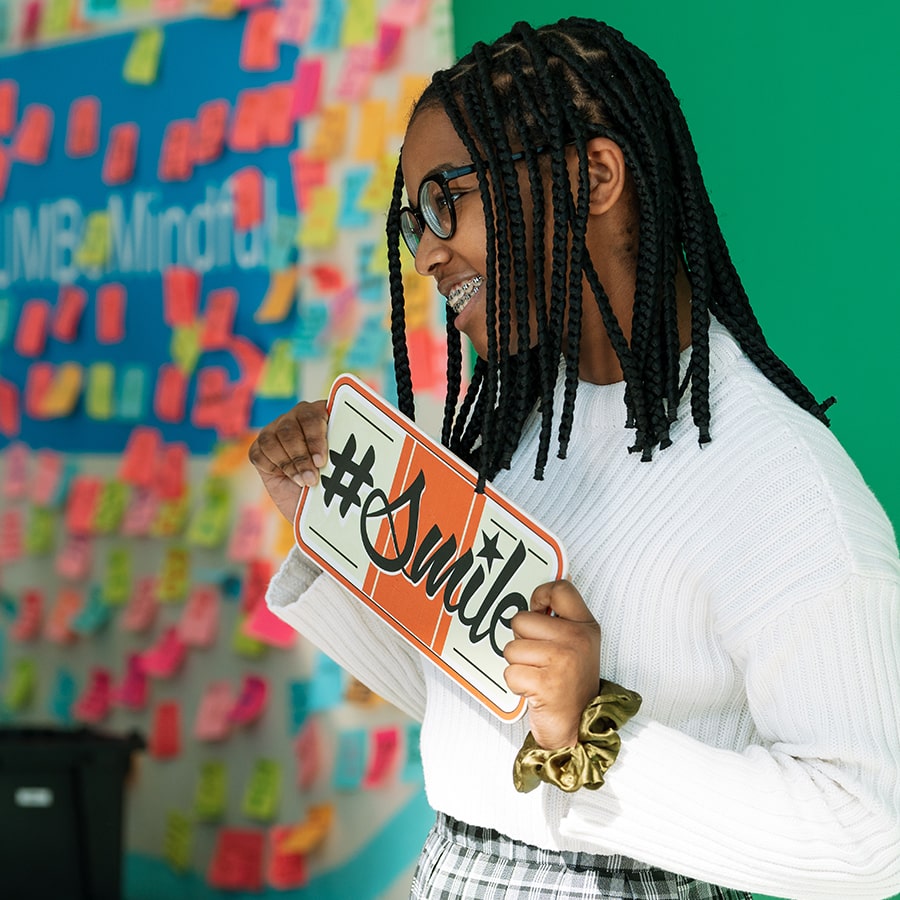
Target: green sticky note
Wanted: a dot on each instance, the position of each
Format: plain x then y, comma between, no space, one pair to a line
279,374
94,249
142,62
261,795
211,523
117,584
111,507
244,645
184,347
98,400
6,319
175,574
209,801
40,534
171,517
21,686
178,841
131,401
56,20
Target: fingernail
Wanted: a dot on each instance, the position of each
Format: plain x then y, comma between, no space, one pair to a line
310,478
318,460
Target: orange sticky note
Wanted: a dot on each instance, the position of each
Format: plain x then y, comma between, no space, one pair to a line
110,313
218,319
34,325
81,507
281,295
176,161
170,396
306,85
9,103
284,870
121,153
330,137
67,315
306,173
181,293
58,627
83,128
247,126
165,735
411,86
170,478
237,861
210,397
208,139
139,456
372,133
61,396
37,383
10,410
247,194
279,122
259,46
31,142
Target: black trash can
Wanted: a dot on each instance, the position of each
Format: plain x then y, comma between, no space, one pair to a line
61,799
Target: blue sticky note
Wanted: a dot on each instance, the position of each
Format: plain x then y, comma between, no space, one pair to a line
298,705
310,324
327,33
412,766
94,615
355,182
283,242
327,688
6,305
131,400
371,346
371,287
350,763
65,690
100,9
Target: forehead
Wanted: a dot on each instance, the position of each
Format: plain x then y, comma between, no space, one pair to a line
431,144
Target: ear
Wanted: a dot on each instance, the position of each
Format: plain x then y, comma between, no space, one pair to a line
607,174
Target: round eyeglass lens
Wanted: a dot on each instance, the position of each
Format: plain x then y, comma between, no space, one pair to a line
409,228
436,207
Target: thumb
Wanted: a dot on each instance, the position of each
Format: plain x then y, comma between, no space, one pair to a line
561,598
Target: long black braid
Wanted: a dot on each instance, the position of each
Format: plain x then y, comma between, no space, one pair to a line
541,92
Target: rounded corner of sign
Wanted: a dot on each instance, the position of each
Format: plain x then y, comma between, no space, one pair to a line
512,715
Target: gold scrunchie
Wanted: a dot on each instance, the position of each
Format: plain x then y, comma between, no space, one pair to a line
585,764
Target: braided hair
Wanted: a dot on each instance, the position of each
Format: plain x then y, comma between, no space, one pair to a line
546,90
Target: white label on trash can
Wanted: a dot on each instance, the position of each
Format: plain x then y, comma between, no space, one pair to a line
34,797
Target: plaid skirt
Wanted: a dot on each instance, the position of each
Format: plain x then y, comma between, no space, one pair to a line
462,862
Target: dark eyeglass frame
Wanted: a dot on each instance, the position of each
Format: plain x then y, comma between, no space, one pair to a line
412,220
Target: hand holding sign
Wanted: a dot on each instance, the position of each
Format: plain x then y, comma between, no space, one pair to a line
554,662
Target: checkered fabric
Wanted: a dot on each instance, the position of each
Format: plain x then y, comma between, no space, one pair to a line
462,862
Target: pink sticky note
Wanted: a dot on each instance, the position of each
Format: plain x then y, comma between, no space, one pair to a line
181,293
213,722
121,153
387,44
265,626
134,691
170,396
95,702
257,575
75,558
141,513
279,128
284,870
83,127
140,613
139,456
237,861
37,385
246,538
5,166
247,193
208,139
383,757
48,472
34,325
81,507
176,157
67,316
307,83
31,20
10,409
356,73
12,530
295,21
210,398
170,477
308,753
218,319
199,622
165,735
404,12
110,314
9,103
27,625
247,126
165,657
31,143
15,479
259,46
251,702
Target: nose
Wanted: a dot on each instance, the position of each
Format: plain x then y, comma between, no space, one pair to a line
432,253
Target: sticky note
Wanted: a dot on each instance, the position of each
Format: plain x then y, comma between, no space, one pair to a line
199,622
181,295
387,45
350,761
326,34
359,23
371,347
67,314
237,860
174,575
307,86
139,456
308,835
298,705
213,722
170,394
265,626
209,524
110,507
404,12
117,579
58,18
411,86
94,614
218,319
378,193
75,558
121,153
17,458
178,841
184,346
141,513
27,626
21,684
383,757
355,183
330,136
260,799
310,327
65,689
110,313
279,298
95,242
11,534
247,535
38,382
327,687
295,21
210,396
247,197
81,507
140,613
34,324
165,734
40,534
170,476
31,20
98,401
278,128
247,127
284,870
356,72
95,701
31,143
134,691
306,173
259,45
9,103
48,470
282,243
176,159
165,657
171,517
83,127
371,140
208,137
142,62
319,226
251,702
212,791
131,398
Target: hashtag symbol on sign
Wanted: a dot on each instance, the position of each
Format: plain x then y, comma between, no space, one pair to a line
359,473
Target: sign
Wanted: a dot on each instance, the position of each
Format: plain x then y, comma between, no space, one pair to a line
397,520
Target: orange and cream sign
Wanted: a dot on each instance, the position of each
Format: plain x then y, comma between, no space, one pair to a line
397,519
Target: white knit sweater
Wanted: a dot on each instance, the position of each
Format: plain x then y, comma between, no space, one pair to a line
749,590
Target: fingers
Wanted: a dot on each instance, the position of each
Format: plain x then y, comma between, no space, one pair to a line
294,444
561,598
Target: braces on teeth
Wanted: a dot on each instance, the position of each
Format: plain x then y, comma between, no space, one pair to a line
460,295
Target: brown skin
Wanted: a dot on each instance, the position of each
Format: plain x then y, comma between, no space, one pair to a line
553,660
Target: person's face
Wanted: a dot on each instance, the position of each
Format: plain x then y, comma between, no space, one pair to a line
458,264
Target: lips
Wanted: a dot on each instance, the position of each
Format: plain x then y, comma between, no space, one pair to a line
460,294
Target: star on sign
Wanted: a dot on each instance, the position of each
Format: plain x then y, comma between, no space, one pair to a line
489,549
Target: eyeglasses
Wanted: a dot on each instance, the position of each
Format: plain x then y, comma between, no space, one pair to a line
437,206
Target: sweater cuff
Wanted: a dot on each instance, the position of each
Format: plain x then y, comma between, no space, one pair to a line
296,573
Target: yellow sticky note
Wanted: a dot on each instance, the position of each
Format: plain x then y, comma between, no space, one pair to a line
210,798
40,533
173,579
178,841
117,583
411,86
142,62
372,133
331,134
279,298
111,506
261,795
94,249
210,523
417,298
279,374
377,195
64,391
318,227
57,18
360,22
184,347
244,645
231,456
98,402
307,835
171,517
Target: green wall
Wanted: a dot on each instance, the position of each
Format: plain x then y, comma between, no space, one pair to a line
793,109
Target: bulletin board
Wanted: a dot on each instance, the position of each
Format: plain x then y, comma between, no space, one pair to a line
191,238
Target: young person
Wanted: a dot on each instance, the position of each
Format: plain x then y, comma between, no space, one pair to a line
727,562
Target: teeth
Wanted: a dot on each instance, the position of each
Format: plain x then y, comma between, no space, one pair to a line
462,293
